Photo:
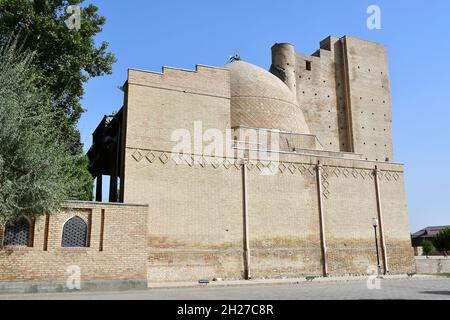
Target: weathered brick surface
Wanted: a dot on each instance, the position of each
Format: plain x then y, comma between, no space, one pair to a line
284,223
195,226
371,109
123,256
159,104
345,96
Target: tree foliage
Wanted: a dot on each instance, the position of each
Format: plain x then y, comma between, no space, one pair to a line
427,247
441,241
64,60
36,171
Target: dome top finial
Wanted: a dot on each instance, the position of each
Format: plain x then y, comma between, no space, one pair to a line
235,57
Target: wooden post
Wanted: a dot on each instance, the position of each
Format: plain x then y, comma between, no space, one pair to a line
113,186
98,188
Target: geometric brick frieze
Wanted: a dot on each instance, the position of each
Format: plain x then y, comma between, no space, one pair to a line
264,166
361,173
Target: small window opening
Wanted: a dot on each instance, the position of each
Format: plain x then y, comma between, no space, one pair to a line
74,233
18,233
308,65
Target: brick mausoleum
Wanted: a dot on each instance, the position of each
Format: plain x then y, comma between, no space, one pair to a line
305,208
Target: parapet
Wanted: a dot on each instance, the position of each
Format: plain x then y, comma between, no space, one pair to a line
204,80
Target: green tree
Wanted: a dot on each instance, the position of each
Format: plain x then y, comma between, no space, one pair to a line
65,58
36,171
441,241
427,247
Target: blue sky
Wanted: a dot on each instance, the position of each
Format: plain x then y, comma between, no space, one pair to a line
149,34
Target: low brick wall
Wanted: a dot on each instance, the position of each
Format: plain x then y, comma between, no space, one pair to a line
433,264
116,247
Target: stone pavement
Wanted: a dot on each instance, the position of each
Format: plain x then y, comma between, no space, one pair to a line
418,287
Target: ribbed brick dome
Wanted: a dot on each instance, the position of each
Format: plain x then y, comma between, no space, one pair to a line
259,99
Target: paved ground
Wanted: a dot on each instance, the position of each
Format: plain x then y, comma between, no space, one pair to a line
433,288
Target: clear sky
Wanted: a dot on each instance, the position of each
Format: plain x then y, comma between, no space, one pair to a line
149,34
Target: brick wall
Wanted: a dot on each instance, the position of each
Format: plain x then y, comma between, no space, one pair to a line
196,229
116,251
370,99
284,222
158,104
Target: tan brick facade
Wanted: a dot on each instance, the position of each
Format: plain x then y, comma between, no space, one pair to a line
115,251
196,228
211,216
196,210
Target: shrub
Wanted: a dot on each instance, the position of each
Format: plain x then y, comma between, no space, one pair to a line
441,241
427,247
